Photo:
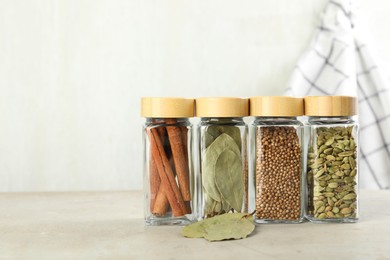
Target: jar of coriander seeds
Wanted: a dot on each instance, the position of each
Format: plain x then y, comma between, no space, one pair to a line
278,136
168,181
332,161
222,137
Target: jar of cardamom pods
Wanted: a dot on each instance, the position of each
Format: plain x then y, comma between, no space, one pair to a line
332,161
278,157
169,190
222,137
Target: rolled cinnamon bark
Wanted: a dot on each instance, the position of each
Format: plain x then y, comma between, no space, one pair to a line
180,159
161,206
158,201
154,181
166,174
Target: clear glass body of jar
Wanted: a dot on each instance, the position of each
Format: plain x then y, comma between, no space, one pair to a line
223,166
168,173
278,177
332,170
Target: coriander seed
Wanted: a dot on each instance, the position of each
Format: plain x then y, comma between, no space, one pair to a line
278,159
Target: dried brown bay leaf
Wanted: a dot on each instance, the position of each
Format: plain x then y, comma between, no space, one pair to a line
222,227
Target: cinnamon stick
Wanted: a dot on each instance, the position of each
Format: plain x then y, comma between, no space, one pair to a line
154,181
181,164
188,207
167,177
164,139
154,178
161,206
184,134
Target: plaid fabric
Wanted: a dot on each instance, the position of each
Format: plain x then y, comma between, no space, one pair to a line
339,62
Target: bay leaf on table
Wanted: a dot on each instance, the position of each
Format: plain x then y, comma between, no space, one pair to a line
221,227
229,178
195,230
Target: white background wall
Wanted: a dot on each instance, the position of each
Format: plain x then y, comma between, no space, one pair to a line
72,73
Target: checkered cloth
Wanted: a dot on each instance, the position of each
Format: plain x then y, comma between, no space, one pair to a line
339,62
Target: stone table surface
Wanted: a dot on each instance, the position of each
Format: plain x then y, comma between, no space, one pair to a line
110,225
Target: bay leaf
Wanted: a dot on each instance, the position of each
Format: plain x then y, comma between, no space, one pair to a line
229,178
209,160
195,230
208,139
213,207
208,180
222,142
232,228
213,132
221,227
218,207
233,131
225,205
209,205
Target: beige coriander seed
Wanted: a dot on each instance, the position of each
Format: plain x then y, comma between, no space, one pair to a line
278,173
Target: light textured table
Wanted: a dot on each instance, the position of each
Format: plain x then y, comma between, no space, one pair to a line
109,225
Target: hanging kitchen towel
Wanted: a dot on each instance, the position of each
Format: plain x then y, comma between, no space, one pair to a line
340,62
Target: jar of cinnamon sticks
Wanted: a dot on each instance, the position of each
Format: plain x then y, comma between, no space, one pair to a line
168,180
222,136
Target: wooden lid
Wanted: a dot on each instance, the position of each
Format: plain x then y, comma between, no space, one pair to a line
330,106
164,107
276,106
222,107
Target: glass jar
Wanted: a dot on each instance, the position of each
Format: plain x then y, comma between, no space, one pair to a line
278,159
222,135
169,190
332,162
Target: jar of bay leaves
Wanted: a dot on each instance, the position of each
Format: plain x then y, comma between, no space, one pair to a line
332,162
223,155
168,181
278,180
